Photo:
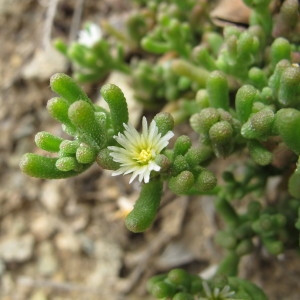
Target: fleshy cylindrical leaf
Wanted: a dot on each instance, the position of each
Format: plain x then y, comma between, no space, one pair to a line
182,183
105,160
66,164
164,122
182,145
44,167
287,124
206,181
83,117
85,154
280,49
244,99
58,110
117,105
218,92
145,208
201,122
259,153
47,141
289,87
67,88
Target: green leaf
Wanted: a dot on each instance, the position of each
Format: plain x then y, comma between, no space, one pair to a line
181,183
117,105
47,141
45,167
145,208
83,117
67,88
244,100
217,88
294,185
287,124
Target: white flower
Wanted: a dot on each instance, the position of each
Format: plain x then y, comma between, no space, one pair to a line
139,150
90,35
216,293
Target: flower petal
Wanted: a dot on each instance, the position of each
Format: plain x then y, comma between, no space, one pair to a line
137,151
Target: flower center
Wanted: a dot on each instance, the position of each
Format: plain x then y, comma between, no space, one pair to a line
144,156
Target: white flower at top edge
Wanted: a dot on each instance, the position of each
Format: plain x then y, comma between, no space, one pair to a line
90,35
217,294
137,151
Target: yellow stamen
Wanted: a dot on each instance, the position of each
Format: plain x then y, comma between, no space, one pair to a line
144,156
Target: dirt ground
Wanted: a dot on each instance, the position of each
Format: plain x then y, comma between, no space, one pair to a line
65,239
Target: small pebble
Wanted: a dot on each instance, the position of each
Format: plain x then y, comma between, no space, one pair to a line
17,249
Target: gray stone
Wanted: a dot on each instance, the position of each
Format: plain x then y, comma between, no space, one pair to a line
17,249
